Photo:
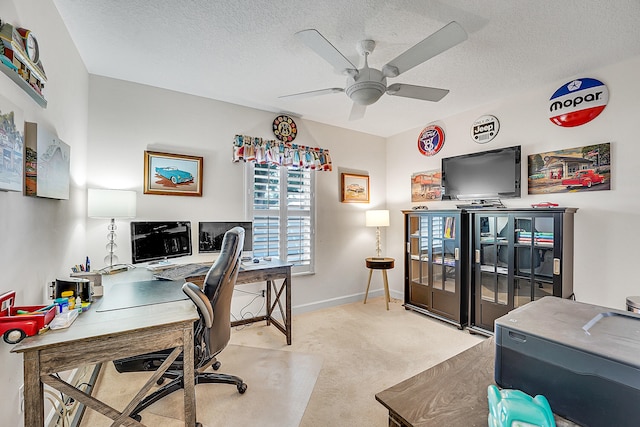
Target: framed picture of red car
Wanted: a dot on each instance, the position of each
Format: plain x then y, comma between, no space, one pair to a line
172,174
579,169
355,188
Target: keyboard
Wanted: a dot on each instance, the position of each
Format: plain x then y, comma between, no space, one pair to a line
182,271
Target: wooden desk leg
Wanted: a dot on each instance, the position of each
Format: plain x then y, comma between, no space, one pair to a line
189,378
387,297
287,322
33,390
368,284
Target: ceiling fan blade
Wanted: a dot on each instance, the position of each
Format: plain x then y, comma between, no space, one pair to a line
443,39
417,92
316,42
357,111
313,93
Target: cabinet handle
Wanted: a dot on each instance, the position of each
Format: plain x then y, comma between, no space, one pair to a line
477,256
456,254
556,266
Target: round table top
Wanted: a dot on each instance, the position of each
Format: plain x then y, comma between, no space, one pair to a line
380,263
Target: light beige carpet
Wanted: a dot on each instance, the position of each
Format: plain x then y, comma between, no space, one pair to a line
361,349
279,384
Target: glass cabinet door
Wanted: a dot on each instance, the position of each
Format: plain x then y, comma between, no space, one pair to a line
445,253
534,243
419,249
492,258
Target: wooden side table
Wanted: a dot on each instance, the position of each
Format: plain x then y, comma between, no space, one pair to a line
383,264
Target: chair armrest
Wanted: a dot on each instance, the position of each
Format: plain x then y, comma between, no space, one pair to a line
201,301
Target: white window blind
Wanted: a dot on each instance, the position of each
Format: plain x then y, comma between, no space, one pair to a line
281,204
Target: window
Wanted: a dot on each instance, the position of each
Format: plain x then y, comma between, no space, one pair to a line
282,206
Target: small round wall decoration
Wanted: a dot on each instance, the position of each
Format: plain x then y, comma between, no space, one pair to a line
284,128
578,102
430,140
485,129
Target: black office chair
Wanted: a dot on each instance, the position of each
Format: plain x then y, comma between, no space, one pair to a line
211,332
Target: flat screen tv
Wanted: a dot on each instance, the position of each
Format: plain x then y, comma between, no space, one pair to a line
211,235
158,240
488,175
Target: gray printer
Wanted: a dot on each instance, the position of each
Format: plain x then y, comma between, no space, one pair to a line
585,359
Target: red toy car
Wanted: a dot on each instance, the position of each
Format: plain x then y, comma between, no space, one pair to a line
16,323
583,178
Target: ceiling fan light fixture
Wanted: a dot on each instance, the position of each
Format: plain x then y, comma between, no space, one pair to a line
366,93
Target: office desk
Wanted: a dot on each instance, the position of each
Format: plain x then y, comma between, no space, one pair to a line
452,393
268,272
100,336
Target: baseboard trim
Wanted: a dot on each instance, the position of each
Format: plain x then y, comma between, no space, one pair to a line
346,299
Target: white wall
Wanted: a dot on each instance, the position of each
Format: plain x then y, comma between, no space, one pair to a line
42,238
125,119
606,232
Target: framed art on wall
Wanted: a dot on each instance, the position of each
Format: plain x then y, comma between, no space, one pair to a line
11,146
355,188
172,174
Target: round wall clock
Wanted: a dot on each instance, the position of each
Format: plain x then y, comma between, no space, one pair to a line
284,128
430,140
30,44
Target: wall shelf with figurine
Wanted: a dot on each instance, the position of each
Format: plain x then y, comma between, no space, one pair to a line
20,60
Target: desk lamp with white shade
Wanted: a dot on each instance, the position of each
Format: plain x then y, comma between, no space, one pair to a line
111,204
377,218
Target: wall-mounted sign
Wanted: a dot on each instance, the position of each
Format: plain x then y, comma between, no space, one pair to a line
578,102
485,129
284,128
430,140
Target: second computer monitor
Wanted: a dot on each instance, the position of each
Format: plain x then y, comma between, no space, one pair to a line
210,235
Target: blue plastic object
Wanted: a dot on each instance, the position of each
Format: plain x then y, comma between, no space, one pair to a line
514,408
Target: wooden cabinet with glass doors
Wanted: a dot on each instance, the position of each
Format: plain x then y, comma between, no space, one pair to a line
435,264
518,255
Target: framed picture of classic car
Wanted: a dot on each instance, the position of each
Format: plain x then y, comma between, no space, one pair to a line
355,188
172,174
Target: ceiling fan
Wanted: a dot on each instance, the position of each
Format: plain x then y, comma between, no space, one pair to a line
366,85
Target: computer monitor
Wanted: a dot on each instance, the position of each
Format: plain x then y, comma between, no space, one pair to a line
158,240
210,235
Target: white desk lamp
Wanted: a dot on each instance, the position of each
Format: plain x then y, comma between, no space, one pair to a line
111,204
377,218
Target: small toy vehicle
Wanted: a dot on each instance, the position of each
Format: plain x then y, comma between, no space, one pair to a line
509,408
16,323
176,176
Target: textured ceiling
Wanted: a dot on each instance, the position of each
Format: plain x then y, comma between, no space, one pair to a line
245,52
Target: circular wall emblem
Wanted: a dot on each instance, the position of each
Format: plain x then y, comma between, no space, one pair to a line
284,128
485,129
578,102
430,140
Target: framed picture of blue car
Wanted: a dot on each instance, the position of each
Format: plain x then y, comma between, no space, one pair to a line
172,174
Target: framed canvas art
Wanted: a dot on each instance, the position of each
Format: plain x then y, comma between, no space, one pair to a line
172,174
11,146
355,188
579,169
47,163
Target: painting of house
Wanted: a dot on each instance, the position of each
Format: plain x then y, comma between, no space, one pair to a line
586,168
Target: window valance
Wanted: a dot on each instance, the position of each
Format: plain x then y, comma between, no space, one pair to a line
294,156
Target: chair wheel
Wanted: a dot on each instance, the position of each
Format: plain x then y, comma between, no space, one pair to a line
160,381
242,388
136,417
216,365
198,424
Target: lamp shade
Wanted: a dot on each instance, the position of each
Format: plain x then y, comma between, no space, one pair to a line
377,218
111,203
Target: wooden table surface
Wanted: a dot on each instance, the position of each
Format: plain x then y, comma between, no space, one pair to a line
99,336
452,393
